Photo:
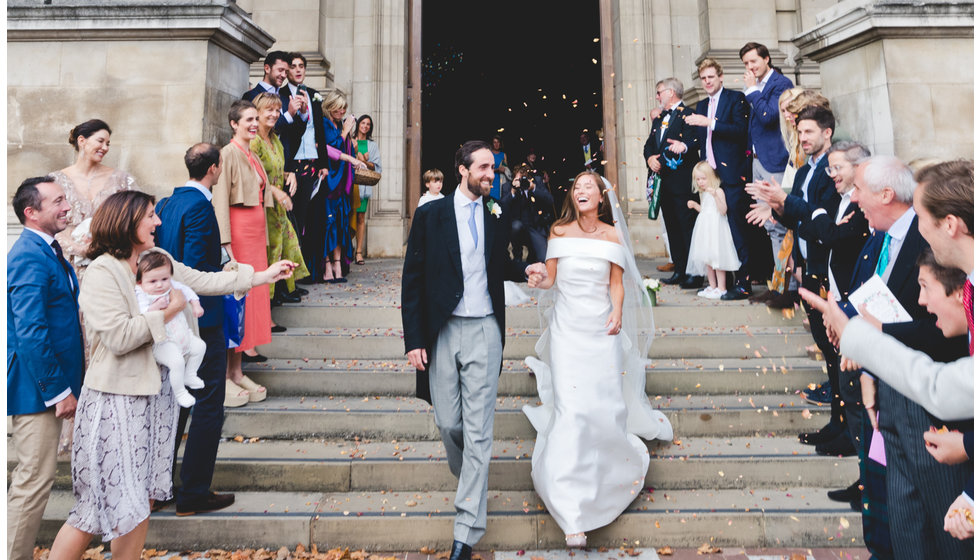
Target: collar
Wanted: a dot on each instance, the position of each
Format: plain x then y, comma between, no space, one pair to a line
204,190
848,194
675,105
47,238
460,200
901,226
716,96
293,89
267,86
813,162
765,79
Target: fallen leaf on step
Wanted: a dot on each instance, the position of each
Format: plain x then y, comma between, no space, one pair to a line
708,549
665,551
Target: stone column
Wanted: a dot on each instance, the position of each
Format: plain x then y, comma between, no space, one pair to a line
899,74
162,74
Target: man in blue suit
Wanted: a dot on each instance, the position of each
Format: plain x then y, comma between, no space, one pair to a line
189,232
45,358
722,125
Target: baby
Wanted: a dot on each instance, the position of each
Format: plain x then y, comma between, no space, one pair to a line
153,285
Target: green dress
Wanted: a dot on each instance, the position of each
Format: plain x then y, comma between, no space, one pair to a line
283,243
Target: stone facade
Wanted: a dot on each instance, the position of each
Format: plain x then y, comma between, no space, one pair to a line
163,72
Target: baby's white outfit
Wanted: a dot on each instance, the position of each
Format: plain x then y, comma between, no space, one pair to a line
182,352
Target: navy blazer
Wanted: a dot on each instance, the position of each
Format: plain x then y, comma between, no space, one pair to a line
729,139
764,131
921,333
45,355
189,232
432,277
284,128
290,144
821,193
677,181
843,241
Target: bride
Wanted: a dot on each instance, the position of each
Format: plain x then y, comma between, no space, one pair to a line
589,462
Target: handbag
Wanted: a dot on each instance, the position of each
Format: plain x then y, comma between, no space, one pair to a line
366,177
653,195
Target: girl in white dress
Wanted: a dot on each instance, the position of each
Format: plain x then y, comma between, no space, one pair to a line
712,248
589,463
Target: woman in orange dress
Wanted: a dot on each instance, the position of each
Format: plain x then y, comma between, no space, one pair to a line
240,199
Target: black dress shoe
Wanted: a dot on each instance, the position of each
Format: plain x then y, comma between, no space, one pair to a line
763,297
692,282
735,294
211,502
300,292
276,301
287,298
840,446
256,359
826,434
278,328
308,281
677,278
461,551
850,494
784,300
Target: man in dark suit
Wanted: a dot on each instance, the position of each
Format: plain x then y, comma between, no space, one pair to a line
189,232
453,317
45,358
274,69
532,210
722,124
305,152
919,490
672,151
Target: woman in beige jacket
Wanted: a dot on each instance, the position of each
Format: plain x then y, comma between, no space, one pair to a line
126,419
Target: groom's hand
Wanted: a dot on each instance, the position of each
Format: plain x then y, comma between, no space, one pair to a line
417,358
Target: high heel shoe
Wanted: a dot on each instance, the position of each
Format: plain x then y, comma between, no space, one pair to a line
575,541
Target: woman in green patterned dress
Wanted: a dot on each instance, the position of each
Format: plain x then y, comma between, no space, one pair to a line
283,242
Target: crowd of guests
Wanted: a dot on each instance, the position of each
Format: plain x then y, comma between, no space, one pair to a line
753,188
108,282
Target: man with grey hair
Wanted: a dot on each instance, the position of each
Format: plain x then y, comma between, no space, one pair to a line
672,151
913,492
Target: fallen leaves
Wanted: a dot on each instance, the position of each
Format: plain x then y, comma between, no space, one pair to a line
665,551
708,549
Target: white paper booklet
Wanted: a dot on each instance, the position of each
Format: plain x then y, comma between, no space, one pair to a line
881,302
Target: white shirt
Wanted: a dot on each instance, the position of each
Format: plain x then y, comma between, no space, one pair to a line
845,201
897,234
307,145
49,240
717,99
759,86
204,190
429,197
476,292
269,88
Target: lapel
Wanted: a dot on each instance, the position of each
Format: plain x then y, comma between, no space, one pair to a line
450,233
817,179
488,229
48,252
905,260
674,119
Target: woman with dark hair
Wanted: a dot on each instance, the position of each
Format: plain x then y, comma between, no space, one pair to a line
126,419
501,170
588,458
367,152
87,183
327,240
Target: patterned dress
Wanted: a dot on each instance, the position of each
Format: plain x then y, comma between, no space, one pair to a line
283,242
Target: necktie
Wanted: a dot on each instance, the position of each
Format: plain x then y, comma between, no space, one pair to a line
472,223
883,256
712,107
61,259
968,305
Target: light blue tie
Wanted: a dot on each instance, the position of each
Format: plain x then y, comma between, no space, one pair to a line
883,256
473,206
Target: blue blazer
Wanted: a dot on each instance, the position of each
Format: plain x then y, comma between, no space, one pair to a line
764,131
189,232
729,137
44,336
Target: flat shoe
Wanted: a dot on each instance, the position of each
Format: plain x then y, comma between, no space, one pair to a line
256,392
235,396
256,359
278,328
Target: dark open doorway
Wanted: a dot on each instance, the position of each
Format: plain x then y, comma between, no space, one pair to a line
511,69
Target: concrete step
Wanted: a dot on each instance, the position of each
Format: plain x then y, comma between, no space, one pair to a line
403,418
677,343
345,466
398,521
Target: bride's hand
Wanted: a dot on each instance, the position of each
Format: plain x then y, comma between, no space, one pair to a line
615,322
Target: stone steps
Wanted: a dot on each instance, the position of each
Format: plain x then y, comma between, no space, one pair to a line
398,521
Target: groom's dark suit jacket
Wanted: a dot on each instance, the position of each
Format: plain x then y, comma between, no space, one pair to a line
432,278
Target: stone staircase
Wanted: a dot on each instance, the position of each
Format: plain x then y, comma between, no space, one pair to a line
342,454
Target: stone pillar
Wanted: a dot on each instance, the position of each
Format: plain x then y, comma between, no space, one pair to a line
899,74
162,74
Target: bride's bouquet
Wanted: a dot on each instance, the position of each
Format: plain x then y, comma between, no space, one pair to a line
652,286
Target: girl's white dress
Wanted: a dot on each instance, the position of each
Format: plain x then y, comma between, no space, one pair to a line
711,241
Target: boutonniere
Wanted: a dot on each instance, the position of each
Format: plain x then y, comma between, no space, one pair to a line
494,208
317,96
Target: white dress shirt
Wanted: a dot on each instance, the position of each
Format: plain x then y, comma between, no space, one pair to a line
269,88
759,86
845,201
203,190
307,146
476,293
806,188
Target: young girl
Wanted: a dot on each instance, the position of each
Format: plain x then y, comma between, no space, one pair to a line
181,352
433,186
712,247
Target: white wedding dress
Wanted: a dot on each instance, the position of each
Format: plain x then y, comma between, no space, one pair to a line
589,463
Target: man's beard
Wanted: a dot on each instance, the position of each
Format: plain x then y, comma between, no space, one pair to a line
473,185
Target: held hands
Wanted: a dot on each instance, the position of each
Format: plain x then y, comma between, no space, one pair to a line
945,447
536,273
956,522
697,120
417,358
676,146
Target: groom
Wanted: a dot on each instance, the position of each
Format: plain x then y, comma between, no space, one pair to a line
453,317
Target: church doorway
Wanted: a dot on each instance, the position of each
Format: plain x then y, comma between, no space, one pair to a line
509,70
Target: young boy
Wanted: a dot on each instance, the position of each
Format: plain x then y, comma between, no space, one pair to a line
433,186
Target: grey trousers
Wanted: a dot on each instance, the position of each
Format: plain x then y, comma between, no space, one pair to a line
776,230
463,376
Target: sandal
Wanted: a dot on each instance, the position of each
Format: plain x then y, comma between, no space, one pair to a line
256,392
358,258
235,396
